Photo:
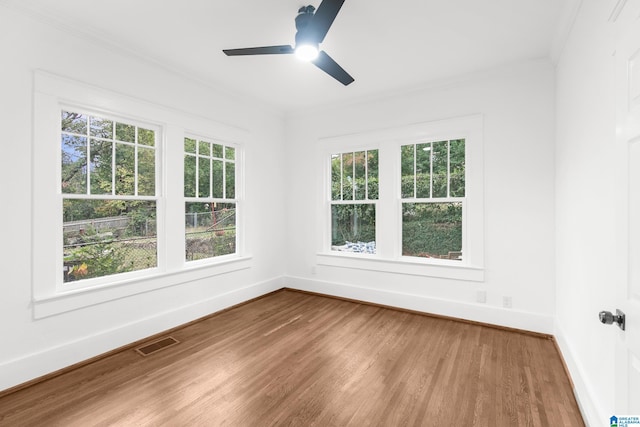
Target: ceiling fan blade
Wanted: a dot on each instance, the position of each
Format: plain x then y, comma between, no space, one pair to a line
323,18
331,67
265,50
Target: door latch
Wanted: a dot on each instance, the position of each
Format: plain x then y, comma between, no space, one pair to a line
608,318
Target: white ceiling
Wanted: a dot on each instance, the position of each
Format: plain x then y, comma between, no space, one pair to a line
386,46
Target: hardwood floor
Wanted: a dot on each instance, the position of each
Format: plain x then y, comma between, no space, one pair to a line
296,359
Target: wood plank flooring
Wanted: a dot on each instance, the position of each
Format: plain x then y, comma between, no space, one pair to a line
304,360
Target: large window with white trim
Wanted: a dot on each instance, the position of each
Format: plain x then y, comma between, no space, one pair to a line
122,203
433,199
210,193
108,190
406,200
354,192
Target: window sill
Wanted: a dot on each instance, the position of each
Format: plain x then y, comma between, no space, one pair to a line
65,301
410,266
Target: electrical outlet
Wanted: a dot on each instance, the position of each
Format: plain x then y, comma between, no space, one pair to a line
506,302
481,296
313,270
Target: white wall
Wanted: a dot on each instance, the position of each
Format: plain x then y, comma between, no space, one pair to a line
31,347
517,103
585,214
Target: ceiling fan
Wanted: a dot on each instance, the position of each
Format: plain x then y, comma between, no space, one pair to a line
312,26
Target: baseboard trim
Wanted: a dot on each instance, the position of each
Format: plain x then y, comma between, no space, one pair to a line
35,368
477,313
592,413
422,313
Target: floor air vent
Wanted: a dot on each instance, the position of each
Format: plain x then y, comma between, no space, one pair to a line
156,346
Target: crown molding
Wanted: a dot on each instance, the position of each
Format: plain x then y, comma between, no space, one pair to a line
564,26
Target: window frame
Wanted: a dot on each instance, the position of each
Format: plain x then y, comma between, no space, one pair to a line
388,257
52,94
238,155
105,280
433,199
354,201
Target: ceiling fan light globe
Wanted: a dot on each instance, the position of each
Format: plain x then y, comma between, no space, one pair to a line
306,52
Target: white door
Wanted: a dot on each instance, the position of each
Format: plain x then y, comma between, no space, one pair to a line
627,76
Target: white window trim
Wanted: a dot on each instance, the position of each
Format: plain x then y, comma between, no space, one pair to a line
50,297
389,204
238,161
106,280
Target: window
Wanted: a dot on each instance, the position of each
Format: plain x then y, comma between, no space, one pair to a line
210,191
108,218
354,189
406,200
108,190
432,190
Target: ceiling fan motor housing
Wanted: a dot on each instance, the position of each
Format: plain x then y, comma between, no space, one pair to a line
305,15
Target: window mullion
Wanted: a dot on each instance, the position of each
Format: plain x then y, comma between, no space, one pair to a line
366,175
415,168
389,193
224,174
448,168
197,192
88,151
135,163
113,160
106,197
211,177
341,177
171,241
431,169
353,176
